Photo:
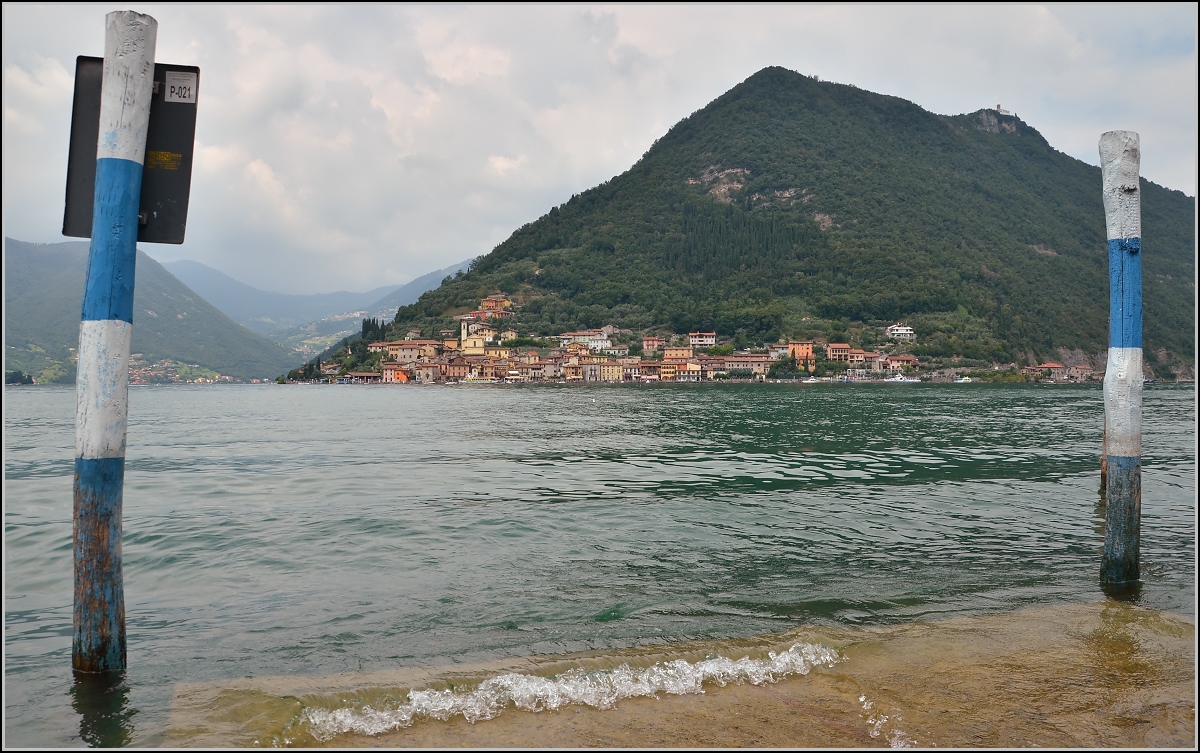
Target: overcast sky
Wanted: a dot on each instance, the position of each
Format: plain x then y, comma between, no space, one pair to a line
348,147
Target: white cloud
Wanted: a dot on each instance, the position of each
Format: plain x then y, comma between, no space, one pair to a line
352,146
502,165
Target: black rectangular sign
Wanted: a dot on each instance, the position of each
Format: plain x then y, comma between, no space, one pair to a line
170,142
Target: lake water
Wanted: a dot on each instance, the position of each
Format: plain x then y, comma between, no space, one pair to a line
304,531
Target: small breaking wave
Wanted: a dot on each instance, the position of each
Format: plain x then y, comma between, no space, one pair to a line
878,720
598,689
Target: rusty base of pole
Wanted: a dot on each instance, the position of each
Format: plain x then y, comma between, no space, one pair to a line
1122,521
98,642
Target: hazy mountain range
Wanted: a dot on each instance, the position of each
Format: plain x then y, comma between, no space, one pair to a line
184,312
276,315
43,295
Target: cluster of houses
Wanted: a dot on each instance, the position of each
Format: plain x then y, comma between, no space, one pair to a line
478,354
1056,372
166,371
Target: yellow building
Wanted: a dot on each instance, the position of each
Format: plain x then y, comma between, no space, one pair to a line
474,345
612,372
688,372
496,302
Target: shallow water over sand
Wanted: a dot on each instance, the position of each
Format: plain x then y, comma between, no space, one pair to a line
1083,675
313,531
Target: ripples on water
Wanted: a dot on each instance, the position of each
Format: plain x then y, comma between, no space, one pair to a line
292,530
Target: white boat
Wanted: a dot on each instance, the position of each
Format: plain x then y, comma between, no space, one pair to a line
963,380
901,378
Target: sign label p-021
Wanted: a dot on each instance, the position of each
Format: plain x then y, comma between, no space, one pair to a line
181,87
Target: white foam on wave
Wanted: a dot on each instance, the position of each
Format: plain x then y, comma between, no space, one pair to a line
878,720
598,689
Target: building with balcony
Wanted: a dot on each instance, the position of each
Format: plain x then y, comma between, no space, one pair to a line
901,332
651,343
837,352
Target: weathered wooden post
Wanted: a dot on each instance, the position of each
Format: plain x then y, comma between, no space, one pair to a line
1120,161
102,384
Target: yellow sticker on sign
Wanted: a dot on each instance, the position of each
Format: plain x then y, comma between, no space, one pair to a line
163,160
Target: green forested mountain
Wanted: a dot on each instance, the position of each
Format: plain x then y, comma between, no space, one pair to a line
43,294
794,207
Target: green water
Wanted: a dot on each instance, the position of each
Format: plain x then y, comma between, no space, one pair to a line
275,530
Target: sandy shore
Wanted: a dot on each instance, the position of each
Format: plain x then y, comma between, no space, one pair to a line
1083,675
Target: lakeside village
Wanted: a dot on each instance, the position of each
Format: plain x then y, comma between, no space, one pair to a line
143,372
486,351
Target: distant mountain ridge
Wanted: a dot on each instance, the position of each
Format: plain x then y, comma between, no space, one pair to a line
262,310
171,322
409,293
793,207
278,316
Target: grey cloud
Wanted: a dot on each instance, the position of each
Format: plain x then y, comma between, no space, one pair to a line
352,146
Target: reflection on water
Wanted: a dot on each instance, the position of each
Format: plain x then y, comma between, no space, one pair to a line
102,701
1129,592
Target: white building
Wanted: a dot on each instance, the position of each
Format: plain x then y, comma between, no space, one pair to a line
599,342
582,336
702,339
901,332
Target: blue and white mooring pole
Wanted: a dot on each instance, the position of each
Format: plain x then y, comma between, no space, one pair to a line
102,384
1120,163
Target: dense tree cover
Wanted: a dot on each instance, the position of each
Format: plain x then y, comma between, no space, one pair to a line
373,330
16,376
1006,376
786,368
526,342
305,373
793,207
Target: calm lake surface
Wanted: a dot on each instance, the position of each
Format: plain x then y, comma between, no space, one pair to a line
305,530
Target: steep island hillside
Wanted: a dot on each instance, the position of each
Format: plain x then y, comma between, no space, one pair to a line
177,335
792,207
